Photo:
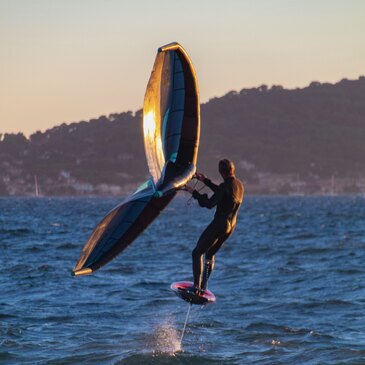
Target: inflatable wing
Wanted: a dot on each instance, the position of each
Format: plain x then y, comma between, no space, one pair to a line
171,127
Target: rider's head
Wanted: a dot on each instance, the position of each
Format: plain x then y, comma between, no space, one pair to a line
226,168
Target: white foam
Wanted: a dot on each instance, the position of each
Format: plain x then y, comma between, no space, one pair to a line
166,338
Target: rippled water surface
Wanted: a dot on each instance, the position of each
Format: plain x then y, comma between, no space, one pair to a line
290,286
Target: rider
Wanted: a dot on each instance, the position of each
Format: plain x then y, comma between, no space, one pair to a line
227,198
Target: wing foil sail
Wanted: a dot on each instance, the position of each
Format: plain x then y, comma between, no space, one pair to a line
171,130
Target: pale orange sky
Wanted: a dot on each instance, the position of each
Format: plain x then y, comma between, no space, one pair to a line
72,60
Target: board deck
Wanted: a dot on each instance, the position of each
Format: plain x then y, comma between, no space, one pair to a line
179,288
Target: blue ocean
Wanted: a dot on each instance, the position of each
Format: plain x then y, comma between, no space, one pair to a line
290,286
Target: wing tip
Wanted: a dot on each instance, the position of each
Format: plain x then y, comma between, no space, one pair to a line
169,47
80,272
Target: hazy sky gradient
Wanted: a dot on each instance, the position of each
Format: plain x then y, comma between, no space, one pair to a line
72,60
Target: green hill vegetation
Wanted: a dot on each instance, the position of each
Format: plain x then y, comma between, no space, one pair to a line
309,140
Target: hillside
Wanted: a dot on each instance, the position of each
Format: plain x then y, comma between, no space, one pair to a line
308,140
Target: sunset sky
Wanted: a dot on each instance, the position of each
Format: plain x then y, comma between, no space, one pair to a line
72,60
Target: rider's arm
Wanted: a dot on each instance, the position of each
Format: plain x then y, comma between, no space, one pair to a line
210,184
206,202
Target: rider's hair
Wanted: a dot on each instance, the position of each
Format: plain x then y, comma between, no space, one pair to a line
226,167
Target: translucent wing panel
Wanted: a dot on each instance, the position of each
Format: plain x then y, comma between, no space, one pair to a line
152,117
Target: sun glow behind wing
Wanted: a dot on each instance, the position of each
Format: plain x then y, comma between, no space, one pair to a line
153,143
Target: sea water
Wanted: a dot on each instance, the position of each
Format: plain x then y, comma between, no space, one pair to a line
290,286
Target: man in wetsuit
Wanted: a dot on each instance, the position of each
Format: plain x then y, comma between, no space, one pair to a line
227,198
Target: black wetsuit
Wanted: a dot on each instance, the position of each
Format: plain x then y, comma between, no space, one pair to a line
227,198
